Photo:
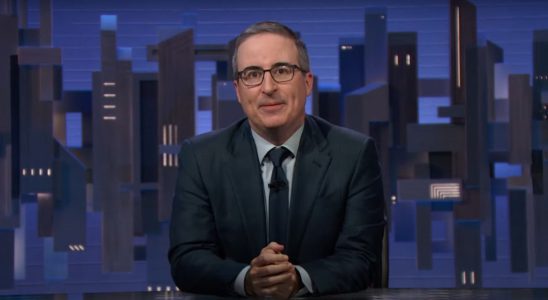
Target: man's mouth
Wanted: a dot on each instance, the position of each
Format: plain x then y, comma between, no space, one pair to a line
272,106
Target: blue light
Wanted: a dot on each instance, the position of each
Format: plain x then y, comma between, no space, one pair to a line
428,110
109,22
124,53
505,170
74,129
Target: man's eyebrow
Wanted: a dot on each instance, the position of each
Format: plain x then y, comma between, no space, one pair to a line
251,67
280,63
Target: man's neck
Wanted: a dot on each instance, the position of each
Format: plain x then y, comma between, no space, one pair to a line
277,136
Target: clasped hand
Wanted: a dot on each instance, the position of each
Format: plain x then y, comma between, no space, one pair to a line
272,275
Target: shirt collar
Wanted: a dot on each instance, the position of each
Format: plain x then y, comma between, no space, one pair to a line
263,146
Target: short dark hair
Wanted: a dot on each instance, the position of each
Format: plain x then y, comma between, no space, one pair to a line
276,28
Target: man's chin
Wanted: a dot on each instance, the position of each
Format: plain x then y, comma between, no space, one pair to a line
273,123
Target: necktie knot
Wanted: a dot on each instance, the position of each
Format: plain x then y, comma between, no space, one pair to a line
278,155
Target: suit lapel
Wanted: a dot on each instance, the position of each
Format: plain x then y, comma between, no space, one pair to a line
312,163
244,172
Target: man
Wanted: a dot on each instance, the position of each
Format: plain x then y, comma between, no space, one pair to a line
280,203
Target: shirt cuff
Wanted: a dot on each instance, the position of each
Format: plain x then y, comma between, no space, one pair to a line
307,282
239,283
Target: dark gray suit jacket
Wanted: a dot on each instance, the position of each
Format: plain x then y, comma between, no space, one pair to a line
336,221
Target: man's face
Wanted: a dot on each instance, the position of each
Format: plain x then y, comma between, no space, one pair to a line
272,105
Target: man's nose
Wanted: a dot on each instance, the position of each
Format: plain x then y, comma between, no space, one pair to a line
269,85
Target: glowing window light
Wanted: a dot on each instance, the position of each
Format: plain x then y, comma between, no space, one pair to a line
175,134
457,37
473,278
444,190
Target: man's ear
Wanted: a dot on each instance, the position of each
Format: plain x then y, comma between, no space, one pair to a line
235,84
309,82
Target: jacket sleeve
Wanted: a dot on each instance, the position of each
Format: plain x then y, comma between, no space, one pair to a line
359,244
194,255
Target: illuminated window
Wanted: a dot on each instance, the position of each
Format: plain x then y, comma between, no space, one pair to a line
109,118
457,40
164,159
164,135
445,190
396,60
175,134
473,277
31,172
109,95
346,47
408,59
108,83
170,134
24,172
109,106
463,277
40,172
49,172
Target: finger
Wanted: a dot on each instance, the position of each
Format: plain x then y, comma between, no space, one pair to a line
273,280
278,248
284,290
280,291
271,270
269,258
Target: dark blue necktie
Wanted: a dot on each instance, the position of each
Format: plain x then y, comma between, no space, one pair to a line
278,202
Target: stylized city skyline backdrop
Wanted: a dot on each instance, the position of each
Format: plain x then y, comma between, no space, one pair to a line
97,96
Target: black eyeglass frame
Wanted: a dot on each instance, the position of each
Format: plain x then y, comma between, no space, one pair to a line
291,66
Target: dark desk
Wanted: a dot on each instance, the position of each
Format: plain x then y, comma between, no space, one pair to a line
372,294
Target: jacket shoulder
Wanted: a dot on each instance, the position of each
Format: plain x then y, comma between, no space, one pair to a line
215,140
338,135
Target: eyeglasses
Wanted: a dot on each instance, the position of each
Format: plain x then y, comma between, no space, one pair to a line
281,72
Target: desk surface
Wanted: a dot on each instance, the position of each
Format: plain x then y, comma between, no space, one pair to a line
372,294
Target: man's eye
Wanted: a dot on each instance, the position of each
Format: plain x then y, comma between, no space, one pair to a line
282,70
251,74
